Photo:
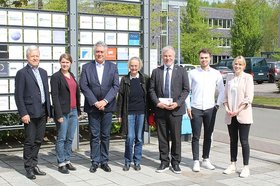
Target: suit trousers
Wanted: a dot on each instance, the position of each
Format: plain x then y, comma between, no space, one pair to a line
169,128
34,134
100,128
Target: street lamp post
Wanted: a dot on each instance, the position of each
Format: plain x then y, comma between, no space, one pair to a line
178,33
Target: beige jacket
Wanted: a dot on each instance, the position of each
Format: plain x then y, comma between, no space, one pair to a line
245,95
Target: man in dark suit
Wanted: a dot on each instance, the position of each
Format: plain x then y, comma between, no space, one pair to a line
169,87
99,83
33,103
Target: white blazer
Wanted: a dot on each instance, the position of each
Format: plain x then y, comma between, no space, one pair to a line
245,95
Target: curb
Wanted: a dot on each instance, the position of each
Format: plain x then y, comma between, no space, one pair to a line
266,106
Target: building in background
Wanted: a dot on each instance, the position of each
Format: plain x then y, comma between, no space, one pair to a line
219,20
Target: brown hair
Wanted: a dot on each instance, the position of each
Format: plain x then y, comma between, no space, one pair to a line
65,56
205,51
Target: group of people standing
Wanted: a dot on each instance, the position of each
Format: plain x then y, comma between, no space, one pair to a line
169,93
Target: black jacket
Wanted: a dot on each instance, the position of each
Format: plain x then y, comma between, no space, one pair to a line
61,95
27,92
123,98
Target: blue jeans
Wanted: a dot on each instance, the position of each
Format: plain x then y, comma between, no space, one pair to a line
65,135
135,135
100,128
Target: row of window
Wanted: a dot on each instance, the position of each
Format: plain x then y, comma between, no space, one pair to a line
223,42
218,23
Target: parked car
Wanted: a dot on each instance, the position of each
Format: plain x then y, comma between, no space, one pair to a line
188,67
256,66
274,71
223,70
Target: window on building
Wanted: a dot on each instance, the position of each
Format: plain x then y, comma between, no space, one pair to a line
210,22
224,23
164,5
215,21
163,23
220,23
229,23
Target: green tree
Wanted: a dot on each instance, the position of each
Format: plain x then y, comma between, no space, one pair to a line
270,27
18,3
246,31
195,33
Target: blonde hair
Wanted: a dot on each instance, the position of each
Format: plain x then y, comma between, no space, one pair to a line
241,58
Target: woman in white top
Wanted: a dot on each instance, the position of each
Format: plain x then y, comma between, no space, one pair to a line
239,93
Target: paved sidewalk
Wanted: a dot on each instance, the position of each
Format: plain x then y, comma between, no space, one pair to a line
265,168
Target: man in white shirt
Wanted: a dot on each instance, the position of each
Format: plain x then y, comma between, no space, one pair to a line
202,108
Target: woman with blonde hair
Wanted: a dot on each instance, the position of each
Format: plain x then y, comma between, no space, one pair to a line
239,93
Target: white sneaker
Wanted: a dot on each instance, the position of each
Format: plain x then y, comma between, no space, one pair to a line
245,172
231,168
196,166
207,164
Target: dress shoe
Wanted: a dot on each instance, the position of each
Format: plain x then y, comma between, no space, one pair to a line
126,167
163,167
69,166
106,167
137,167
37,171
93,168
63,169
176,169
30,175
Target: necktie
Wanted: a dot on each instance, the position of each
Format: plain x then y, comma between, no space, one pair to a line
166,86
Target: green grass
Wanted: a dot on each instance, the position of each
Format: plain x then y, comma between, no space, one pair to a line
266,101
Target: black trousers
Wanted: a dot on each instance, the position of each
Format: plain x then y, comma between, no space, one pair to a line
207,117
169,128
234,129
34,134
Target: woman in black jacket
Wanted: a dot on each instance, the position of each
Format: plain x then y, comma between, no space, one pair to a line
132,109
66,101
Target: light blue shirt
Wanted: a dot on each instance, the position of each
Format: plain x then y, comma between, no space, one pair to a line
40,83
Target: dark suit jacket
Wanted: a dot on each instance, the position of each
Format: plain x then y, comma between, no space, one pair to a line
94,91
27,92
61,95
179,89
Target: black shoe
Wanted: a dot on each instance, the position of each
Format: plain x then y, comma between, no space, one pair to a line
106,167
63,169
69,166
162,168
30,175
93,168
137,167
126,167
37,171
176,169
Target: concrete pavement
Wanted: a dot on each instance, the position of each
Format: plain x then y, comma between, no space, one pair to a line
265,168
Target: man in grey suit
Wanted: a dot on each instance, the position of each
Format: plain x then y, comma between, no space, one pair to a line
33,103
169,87
99,83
